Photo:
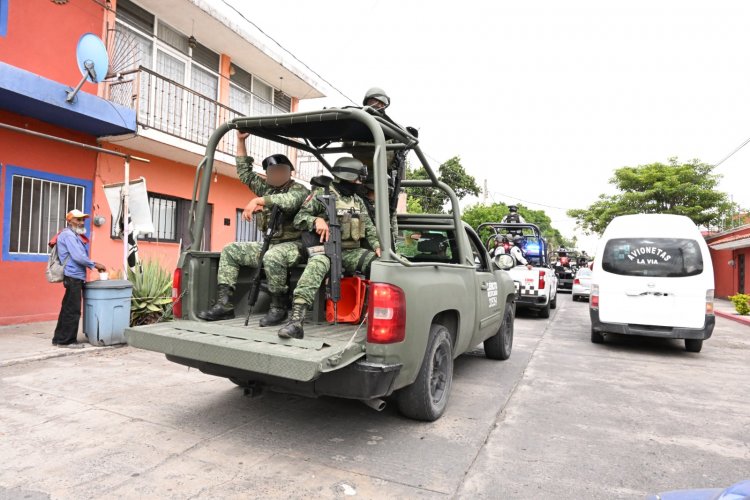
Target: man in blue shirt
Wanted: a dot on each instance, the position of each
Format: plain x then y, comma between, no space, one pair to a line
73,253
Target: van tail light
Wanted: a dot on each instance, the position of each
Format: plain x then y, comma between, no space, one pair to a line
576,281
176,299
386,314
594,298
542,282
710,302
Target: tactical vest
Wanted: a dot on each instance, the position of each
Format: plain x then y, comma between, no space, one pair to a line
349,215
513,217
286,231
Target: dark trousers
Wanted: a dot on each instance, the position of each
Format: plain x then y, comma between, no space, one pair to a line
70,312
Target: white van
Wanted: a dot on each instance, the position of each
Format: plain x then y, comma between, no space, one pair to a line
653,276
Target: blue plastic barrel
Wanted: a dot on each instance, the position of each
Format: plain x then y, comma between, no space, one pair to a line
106,311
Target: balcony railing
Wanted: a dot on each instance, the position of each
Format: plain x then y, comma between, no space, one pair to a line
180,111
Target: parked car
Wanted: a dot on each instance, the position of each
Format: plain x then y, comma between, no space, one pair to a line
653,276
582,284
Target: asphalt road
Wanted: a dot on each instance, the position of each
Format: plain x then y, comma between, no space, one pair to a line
563,418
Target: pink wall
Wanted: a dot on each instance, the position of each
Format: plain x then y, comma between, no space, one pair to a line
25,295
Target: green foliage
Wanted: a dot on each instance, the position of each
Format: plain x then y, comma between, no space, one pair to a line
475,215
675,188
431,200
152,294
741,303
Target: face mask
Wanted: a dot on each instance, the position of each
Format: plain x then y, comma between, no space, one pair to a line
347,188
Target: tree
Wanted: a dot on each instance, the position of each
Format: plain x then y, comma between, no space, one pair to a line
433,200
475,215
656,188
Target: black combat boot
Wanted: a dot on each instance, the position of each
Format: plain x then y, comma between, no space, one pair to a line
277,313
223,309
293,328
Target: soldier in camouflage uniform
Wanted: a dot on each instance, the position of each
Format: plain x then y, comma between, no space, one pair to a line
278,189
356,226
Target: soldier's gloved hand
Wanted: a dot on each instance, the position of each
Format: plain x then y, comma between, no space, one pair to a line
255,205
321,227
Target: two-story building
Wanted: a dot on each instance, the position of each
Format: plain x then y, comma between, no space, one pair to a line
178,68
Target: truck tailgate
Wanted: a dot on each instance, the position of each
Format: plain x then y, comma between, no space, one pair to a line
229,343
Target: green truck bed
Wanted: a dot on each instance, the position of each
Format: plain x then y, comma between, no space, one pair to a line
325,347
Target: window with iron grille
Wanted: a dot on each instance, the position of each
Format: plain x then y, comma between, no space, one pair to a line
247,231
171,218
35,208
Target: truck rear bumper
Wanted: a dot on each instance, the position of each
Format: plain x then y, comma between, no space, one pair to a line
654,331
359,380
531,301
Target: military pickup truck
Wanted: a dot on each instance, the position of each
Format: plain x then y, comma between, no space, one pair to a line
423,308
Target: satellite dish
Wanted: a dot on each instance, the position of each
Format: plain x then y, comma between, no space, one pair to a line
92,57
93,62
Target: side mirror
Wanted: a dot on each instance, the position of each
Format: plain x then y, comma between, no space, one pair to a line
505,262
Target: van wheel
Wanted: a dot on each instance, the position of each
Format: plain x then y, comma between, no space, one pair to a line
499,345
596,337
544,313
575,298
553,303
427,397
693,345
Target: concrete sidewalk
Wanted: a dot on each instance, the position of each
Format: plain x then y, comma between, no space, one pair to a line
725,309
33,341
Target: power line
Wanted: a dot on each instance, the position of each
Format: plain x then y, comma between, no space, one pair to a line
288,51
733,152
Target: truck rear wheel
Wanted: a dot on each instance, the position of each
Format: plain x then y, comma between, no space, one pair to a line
544,312
596,337
500,345
693,345
427,397
553,302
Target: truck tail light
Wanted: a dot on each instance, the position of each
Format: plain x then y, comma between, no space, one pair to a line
176,299
386,314
542,282
709,302
576,281
594,299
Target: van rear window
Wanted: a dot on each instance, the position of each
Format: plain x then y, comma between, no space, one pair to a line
653,257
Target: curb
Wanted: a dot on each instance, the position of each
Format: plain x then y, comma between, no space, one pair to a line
744,320
60,353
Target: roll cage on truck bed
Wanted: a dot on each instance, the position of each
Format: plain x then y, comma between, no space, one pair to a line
421,314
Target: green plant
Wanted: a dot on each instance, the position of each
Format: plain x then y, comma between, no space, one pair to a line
741,303
152,294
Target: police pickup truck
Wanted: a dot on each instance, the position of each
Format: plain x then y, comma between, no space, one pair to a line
537,287
416,312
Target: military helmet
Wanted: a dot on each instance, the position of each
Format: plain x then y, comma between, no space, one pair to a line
276,160
512,208
370,183
349,169
379,94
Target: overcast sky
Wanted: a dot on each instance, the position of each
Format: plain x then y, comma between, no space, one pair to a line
543,99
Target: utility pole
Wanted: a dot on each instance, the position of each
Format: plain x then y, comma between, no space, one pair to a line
484,194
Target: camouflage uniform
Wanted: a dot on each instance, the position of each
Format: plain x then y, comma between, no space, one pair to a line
285,249
353,258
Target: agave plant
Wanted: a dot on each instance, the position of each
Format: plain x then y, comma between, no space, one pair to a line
152,294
